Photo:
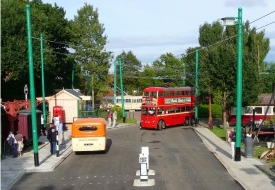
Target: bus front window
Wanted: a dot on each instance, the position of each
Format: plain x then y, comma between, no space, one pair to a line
151,111
143,111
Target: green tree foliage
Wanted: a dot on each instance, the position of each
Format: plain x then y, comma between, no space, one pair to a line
218,62
88,42
169,69
45,19
131,67
268,77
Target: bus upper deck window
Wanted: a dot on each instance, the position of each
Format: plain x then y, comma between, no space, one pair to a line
154,94
87,128
160,94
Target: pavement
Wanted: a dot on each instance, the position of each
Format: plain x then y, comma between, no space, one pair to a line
245,172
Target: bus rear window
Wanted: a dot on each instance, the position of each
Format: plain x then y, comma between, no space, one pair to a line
87,128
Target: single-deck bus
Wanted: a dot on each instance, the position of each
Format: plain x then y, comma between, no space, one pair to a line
89,134
164,107
247,114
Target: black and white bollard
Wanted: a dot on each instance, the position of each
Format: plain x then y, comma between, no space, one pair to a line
144,169
57,145
143,160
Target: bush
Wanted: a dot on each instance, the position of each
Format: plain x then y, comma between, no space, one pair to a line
204,111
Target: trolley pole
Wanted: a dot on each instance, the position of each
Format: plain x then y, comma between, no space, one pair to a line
43,82
183,81
239,88
122,91
229,21
32,94
115,62
197,96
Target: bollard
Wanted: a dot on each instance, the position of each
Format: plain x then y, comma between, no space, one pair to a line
249,146
145,151
57,145
144,169
143,160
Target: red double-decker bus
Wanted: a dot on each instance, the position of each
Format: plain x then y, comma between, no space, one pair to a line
165,107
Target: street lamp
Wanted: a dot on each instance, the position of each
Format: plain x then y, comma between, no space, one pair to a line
227,22
26,90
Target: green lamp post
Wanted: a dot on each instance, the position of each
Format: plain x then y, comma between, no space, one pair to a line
229,21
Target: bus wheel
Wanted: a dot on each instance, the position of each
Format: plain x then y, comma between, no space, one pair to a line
160,124
186,121
163,125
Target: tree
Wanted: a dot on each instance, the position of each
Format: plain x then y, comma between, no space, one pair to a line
131,71
169,69
88,44
218,62
45,19
268,76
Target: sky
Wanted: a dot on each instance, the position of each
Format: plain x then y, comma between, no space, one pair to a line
150,28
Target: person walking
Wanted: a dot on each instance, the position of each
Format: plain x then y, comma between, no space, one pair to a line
232,139
51,136
109,116
13,144
114,119
20,144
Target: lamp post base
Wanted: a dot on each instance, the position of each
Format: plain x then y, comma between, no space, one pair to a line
237,154
36,159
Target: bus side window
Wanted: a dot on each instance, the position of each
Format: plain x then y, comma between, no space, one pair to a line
177,110
258,110
160,111
182,109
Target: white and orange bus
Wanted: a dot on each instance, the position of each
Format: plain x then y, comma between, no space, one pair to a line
89,134
165,107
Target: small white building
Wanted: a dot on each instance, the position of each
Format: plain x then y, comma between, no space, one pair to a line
71,101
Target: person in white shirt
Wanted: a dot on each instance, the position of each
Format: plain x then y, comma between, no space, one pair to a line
114,118
13,143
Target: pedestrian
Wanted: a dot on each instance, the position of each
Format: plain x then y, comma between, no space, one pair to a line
114,118
13,144
20,144
232,140
109,116
51,136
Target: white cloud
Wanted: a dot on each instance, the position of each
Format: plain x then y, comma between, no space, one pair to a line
245,3
150,28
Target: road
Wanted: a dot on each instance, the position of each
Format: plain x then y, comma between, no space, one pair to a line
177,155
